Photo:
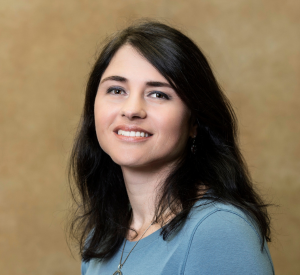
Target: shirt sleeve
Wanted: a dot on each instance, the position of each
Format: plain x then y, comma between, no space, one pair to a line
224,242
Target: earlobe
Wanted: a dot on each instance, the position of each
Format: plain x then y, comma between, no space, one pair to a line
193,134
193,129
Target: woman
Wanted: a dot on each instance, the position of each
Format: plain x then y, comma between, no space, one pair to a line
162,184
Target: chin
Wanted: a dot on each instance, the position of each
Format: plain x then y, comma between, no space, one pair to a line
128,161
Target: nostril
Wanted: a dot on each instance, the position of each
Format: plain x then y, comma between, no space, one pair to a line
134,113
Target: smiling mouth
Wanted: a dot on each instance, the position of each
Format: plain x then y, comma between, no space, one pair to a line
133,133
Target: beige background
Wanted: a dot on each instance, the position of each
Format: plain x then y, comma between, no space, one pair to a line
46,50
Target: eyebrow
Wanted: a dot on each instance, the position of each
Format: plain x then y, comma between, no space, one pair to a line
148,83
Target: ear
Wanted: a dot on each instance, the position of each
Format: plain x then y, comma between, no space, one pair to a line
193,127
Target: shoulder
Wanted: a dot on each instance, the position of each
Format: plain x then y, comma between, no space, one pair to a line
214,215
217,221
223,237
84,267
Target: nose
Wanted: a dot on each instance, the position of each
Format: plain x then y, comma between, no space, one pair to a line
133,107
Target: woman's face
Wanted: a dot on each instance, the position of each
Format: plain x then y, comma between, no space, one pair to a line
140,120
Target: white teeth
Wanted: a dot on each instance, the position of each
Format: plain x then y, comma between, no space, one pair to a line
132,134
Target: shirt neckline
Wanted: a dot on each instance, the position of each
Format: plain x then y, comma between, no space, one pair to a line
142,243
152,237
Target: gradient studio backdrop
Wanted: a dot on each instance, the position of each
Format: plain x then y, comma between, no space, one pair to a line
46,51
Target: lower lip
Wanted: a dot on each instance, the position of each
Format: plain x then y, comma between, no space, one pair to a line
132,139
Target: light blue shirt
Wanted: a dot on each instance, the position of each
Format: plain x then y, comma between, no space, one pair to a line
215,239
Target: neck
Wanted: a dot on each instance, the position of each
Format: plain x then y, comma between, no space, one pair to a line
142,189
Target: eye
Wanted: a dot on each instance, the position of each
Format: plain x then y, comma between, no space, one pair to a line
115,91
159,95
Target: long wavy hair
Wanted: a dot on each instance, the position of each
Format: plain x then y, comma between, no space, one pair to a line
102,216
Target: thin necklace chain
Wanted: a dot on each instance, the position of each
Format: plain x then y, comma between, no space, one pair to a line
121,264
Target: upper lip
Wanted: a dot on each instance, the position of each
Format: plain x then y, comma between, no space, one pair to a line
130,128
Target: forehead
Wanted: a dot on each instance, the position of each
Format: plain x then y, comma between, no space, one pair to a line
129,63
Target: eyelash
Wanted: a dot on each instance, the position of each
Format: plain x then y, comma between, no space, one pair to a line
110,90
164,96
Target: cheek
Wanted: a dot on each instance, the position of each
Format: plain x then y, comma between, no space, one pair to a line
175,128
99,112
104,116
